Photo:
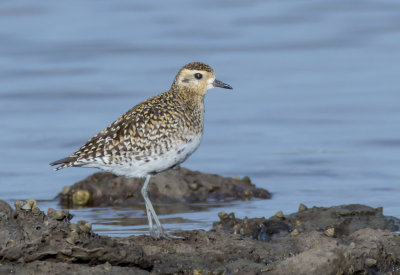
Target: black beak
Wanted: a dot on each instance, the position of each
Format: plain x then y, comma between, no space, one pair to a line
221,84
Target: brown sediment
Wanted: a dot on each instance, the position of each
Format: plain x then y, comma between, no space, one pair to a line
337,221
176,185
32,242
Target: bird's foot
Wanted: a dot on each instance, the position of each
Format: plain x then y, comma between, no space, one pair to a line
167,236
160,234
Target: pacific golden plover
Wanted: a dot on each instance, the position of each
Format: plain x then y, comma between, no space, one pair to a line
153,136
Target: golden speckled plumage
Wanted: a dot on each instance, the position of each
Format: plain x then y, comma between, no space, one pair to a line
147,129
151,128
154,135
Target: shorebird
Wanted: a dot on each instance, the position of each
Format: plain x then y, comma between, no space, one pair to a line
153,136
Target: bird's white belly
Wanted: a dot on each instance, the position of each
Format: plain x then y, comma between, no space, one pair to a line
154,163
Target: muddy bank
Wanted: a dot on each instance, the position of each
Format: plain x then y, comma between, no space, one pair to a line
32,241
176,185
336,221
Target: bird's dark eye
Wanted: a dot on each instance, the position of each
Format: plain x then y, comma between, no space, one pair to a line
198,75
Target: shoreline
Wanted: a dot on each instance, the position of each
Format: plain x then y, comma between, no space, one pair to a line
344,239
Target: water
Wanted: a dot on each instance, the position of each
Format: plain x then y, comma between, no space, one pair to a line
314,115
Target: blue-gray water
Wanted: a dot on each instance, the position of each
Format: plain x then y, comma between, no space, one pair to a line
314,116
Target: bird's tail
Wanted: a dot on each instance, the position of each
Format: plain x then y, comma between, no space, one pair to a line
65,162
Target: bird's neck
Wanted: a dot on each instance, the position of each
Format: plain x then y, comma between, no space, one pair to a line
192,99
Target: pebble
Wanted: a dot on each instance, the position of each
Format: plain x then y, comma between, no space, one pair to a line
18,204
330,232
32,203
81,197
279,214
107,266
370,262
193,186
295,232
36,210
51,211
59,215
246,179
302,207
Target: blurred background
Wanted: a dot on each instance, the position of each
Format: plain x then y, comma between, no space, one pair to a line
314,116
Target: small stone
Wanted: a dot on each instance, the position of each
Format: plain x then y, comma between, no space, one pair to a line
219,271
298,223
370,262
279,214
73,237
51,212
88,225
330,232
26,207
59,215
107,266
222,215
36,210
66,190
82,228
246,179
269,268
236,229
295,232
67,251
302,207
70,240
32,203
80,197
193,186
352,245
18,204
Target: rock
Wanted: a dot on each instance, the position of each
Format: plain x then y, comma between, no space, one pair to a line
175,185
330,232
370,262
302,207
80,197
35,243
333,221
279,214
29,237
295,232
26,205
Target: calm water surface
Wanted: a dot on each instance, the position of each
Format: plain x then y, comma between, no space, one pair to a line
314,115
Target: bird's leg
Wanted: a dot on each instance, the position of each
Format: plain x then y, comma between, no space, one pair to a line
161,233
146,203
151,214
149,217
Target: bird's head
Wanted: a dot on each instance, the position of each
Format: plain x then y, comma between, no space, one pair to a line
198,77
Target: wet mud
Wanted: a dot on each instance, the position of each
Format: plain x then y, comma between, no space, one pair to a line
348,239
175,185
